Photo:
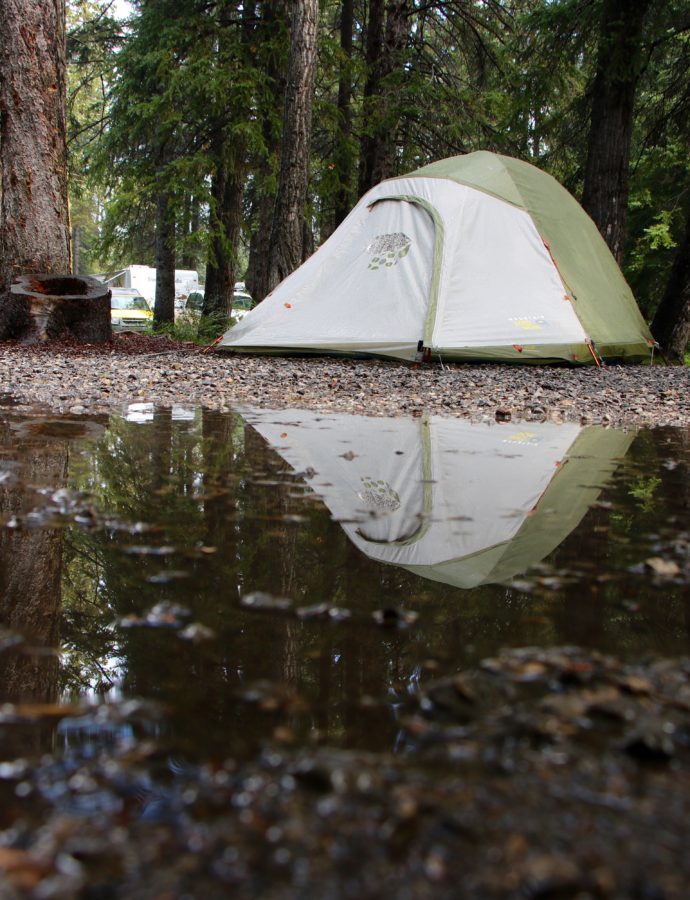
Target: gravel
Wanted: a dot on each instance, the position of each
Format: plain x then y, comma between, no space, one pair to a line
81,379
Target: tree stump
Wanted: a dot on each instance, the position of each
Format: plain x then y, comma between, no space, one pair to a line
56,307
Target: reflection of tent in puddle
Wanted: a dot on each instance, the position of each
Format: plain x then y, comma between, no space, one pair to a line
454,501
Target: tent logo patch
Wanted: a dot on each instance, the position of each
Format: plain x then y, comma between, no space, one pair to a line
387,249
522,437
379,494
529,323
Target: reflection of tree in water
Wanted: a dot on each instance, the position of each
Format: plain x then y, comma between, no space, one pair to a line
203,484
213,483
644,505
138,475
162,484
30,571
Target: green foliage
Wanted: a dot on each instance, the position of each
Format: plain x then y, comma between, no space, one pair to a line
659,235
92,40
182,90
643,491
200,330
660,187
175,99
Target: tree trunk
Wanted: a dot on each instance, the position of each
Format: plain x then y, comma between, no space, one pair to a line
258,269
344,156
272,27
619,65
34,218
190,233
216,280
288,220
384,48
671,325
226,224
230,157
44,307
164,306
374,63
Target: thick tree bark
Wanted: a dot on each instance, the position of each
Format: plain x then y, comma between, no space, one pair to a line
287,232
34,220
385,42
671,325
343,150
619,64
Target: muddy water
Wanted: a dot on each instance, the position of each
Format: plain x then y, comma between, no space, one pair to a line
296,575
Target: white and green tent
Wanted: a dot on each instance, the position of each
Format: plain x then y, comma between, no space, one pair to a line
454,501
477,257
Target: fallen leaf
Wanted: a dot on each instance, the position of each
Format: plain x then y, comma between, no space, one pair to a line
667,568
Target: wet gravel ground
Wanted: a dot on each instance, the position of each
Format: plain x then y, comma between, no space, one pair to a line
554,774
137,368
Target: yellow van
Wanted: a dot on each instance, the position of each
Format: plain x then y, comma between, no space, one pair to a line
129,311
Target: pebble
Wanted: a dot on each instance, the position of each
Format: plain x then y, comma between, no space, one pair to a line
76,379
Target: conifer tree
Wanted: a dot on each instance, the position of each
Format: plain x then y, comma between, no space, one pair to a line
34,220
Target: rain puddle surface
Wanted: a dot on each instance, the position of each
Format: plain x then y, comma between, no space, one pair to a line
196,607
300,571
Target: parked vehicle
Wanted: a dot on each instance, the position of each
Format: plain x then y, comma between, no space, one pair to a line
190,307
142,279
241,304
129,311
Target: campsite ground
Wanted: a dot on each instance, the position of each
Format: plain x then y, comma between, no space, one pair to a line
539,773
138,368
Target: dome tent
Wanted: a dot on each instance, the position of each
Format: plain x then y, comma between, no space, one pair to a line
477,257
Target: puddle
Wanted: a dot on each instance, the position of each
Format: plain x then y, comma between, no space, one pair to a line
379,546
225,582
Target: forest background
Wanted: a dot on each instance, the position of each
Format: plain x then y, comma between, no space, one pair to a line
233,137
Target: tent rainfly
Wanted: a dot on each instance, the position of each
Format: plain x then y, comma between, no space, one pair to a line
477,257
450,500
